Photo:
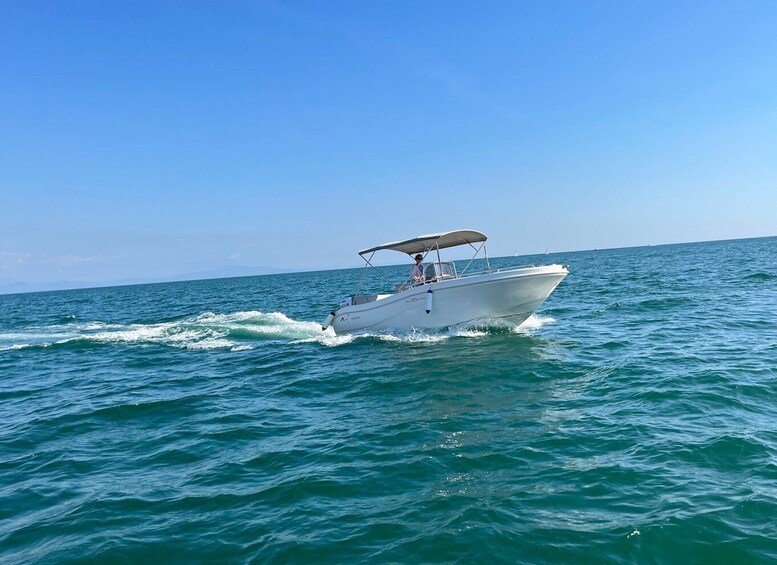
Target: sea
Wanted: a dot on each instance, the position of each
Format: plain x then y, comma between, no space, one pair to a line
632,419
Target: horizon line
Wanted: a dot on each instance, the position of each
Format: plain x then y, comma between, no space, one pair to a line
287,271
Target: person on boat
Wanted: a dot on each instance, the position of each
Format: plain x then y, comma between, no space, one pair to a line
417,273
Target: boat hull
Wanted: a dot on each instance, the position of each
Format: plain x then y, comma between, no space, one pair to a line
512,294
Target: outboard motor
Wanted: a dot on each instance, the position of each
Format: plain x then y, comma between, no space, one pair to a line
328,321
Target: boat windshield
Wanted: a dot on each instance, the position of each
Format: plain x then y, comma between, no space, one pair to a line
439,271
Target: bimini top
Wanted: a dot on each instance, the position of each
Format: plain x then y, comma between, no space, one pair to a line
430,241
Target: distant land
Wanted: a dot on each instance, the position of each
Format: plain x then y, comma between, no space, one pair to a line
227,271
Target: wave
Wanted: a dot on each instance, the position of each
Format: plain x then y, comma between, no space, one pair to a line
238,331
760,277
653,304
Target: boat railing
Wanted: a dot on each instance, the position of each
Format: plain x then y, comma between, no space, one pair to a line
500,270
363,299
413,284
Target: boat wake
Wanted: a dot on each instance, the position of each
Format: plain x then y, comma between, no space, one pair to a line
237,331
479,329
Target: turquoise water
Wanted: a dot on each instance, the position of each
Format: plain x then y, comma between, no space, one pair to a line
633,419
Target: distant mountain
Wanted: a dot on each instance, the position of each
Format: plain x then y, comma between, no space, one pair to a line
16,287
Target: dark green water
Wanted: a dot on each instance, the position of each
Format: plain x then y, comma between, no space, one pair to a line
633,420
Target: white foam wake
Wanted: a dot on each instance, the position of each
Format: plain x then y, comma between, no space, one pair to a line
235,331
477,330
240,331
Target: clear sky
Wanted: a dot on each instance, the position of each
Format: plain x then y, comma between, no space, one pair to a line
150,139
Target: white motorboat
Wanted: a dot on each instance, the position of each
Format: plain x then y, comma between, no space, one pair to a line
441,296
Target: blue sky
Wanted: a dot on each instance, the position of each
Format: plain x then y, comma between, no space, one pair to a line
145,140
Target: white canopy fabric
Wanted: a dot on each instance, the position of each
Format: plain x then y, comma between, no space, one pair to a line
424,243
